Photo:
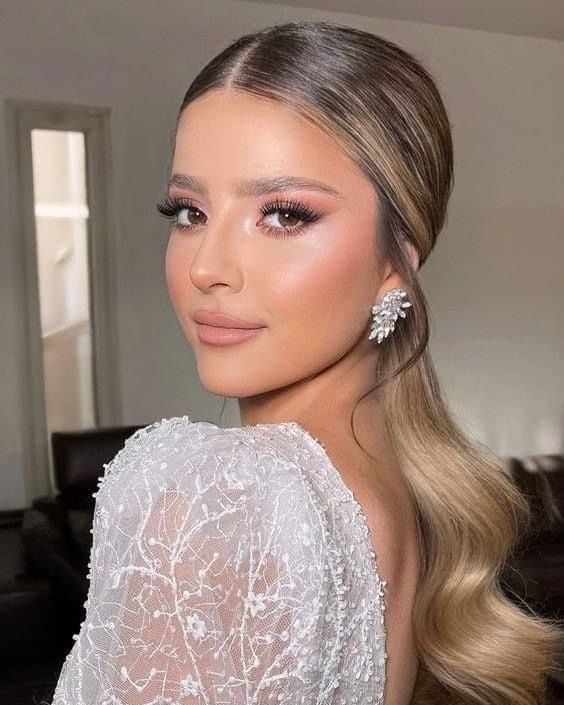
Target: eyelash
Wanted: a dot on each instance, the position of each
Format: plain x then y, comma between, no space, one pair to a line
170,207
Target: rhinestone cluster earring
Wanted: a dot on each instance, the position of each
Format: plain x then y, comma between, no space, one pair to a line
386,312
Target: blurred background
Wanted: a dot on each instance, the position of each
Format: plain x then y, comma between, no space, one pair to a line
90,348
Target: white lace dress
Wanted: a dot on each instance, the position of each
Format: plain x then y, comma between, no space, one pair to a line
228,566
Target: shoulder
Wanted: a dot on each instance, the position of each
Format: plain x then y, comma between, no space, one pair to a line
230,483
216,464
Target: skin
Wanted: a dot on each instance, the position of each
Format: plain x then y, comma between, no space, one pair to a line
313,291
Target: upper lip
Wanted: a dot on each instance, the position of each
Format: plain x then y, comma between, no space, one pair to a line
222,320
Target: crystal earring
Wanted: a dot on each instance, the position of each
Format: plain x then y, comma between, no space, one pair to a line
386,313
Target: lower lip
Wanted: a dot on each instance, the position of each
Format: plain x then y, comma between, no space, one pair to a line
216,335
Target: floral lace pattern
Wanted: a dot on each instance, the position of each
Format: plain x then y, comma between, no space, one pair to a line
228,566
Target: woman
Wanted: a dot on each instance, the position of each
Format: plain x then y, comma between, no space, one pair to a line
344,544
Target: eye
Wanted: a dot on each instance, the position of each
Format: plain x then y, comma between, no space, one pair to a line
172,207
287,212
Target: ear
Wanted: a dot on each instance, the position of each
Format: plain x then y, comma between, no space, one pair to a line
412,254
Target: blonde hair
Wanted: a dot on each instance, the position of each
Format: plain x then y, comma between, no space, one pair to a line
385,111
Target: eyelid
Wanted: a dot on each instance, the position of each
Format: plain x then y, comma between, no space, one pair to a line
170,201
291,194
184,199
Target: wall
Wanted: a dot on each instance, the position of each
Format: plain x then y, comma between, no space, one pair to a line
494,281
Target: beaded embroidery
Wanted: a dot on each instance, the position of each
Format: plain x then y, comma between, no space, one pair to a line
228,566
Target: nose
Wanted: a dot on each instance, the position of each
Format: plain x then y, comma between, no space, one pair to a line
217,260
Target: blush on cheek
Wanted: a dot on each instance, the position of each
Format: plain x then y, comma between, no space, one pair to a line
337,280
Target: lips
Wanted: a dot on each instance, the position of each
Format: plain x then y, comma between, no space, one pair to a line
223,320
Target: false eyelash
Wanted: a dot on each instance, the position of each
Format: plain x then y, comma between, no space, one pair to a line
297,209
169,208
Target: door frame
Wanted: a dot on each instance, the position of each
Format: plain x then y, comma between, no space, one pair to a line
22,116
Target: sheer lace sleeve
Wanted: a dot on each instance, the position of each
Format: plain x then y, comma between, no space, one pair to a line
208,573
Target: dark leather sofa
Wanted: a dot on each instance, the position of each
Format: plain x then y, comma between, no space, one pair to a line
44,555
56,540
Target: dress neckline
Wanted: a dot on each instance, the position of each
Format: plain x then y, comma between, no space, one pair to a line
345,491
319,447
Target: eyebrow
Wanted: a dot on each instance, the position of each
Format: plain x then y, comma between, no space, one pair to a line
257,187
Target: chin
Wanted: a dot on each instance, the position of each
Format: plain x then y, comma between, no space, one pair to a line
239,378
234,383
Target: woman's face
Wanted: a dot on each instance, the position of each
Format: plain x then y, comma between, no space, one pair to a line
248,252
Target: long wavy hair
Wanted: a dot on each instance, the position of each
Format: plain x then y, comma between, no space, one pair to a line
474,644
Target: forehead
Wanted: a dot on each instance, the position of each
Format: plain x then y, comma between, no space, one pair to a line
230,129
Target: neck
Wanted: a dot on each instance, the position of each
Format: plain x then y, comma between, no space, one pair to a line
324,402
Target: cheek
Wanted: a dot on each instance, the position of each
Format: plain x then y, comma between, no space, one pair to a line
327,293
176,272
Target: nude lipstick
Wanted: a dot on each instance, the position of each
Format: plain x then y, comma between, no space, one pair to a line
218,328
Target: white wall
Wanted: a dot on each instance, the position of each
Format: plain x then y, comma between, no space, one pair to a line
494,281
